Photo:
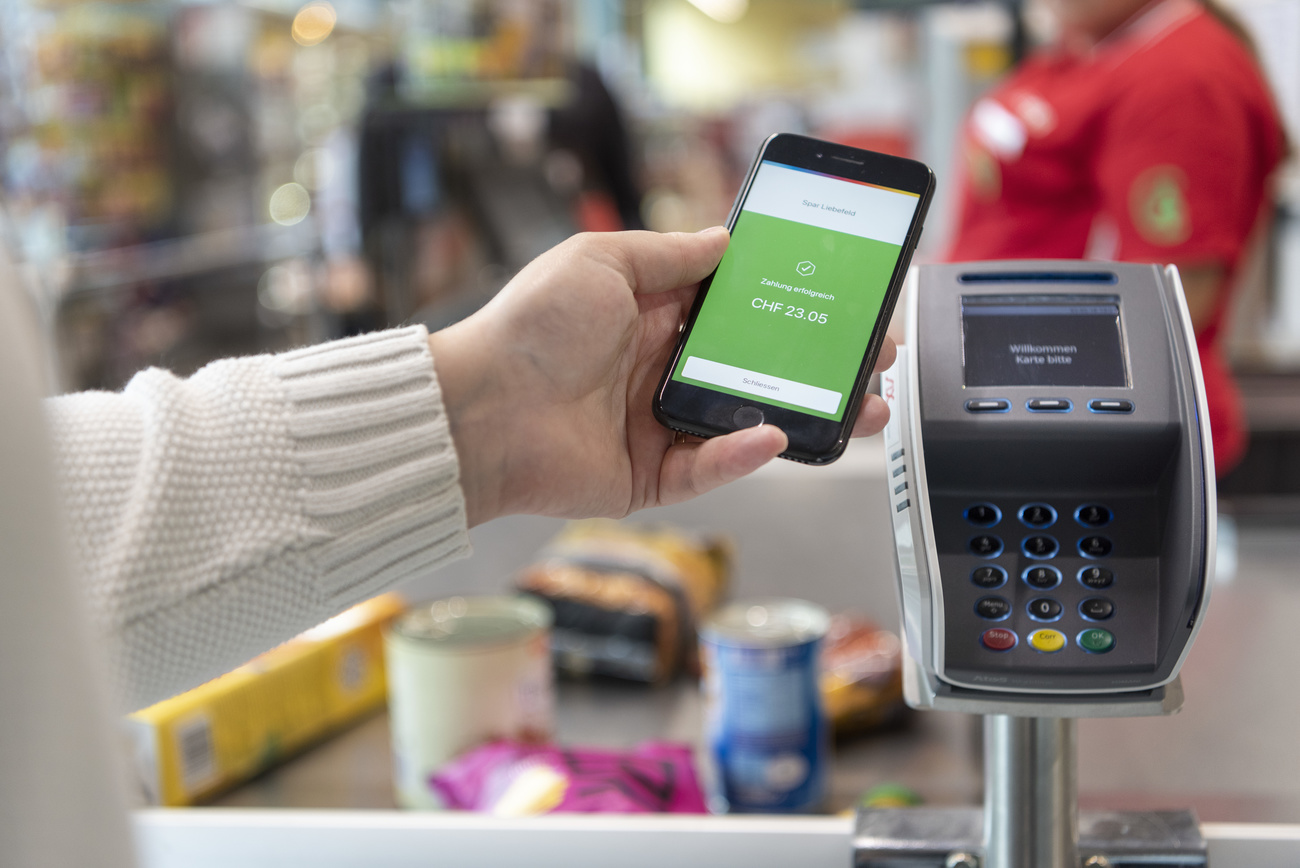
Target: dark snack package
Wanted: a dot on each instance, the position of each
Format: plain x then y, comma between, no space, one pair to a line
626,598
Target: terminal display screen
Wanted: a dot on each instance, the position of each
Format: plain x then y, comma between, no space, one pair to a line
1042,340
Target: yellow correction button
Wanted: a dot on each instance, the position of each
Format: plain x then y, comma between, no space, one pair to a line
1047,641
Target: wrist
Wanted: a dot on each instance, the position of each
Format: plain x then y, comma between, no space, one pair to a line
468,396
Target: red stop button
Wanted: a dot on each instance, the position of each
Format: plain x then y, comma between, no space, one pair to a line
998,639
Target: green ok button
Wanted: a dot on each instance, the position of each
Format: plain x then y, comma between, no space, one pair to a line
1096,640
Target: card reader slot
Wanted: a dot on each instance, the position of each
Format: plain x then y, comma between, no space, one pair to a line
979,277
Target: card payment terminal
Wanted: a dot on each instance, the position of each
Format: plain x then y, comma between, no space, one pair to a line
1052,487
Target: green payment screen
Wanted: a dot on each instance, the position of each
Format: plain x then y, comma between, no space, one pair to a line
789,314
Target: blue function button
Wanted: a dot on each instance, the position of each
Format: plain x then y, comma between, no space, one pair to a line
988,405
1043,609
1049,405
1037,515
1096,608
1042,577
983,514
1040,547
1095,547
1110,405
992,608
1096,578
1093,515
988,577
986,546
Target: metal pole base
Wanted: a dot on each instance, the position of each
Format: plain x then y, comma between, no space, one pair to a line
954,838
1031,811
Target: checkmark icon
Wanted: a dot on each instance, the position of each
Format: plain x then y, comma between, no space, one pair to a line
805,268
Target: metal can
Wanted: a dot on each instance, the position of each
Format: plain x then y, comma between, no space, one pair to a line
765,723
461,672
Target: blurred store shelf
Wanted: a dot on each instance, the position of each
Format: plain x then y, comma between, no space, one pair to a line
187,257
1266,485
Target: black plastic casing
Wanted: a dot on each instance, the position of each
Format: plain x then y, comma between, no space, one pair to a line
812,440
1147,465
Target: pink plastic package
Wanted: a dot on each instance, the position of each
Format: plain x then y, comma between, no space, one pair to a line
511,779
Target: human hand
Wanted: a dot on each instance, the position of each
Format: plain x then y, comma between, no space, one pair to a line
548,388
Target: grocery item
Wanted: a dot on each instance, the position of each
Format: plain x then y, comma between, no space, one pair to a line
461,672
766,727
626,598
203,741
862,676
508,779
890,795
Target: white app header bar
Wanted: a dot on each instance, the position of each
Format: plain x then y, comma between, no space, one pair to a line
831,203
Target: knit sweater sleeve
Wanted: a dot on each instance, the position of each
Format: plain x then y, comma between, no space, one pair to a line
217,516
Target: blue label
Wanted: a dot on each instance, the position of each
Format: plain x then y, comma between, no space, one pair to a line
767,728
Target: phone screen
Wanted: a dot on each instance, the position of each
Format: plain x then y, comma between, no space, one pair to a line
790,311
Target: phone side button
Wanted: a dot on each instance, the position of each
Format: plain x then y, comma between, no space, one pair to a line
903,505
747,417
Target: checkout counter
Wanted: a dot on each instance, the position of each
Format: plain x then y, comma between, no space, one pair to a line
1231,755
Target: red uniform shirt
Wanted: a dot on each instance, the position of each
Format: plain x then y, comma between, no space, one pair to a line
1156,146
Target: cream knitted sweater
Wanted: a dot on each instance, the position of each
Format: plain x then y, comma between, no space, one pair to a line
210,519
216,516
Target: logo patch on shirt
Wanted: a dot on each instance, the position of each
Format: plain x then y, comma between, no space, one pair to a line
984,172
998,129
1157,203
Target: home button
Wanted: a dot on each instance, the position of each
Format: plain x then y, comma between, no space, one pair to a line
747,417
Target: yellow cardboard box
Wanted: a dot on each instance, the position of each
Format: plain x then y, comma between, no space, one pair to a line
194,745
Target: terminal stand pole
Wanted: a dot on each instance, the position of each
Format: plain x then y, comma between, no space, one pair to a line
1031,816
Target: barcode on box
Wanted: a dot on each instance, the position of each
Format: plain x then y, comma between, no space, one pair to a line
198,763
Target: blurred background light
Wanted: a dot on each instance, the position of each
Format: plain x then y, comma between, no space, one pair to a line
315,21
726,11
290,204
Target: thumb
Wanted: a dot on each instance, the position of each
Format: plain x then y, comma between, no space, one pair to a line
659,262
690,469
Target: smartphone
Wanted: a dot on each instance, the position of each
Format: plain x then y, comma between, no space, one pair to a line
787,329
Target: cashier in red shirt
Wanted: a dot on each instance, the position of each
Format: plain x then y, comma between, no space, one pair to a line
1145,134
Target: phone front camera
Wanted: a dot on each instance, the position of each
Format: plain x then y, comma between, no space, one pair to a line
819,156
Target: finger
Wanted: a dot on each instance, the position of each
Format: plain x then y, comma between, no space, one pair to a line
657,262
690,469
888,355
872,417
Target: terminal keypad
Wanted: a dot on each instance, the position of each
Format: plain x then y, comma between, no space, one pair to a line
988,577
1049,583
993,608
1042,578
1093,515
1044,609
1096,608
1095,546
1038,515
1041,546
1096,577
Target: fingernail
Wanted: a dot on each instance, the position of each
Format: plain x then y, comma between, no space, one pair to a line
712,229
